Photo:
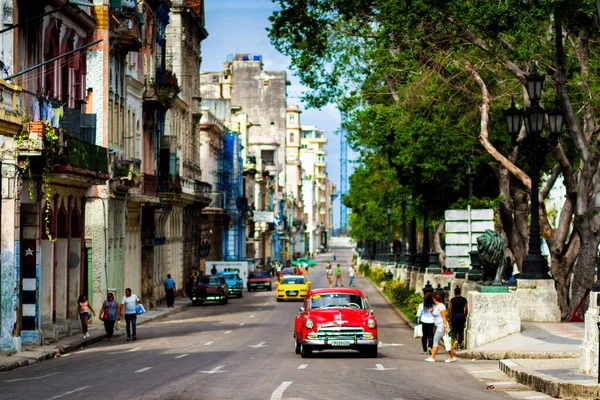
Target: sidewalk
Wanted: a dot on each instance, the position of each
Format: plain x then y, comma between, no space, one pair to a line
32,354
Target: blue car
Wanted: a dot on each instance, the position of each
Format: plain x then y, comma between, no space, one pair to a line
235,283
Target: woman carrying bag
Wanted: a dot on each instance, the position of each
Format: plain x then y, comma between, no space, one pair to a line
425,319
441,329
109,313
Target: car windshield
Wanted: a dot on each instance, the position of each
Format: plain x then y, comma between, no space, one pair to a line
211,280
292,281
259,274
230,275
336,300
288,271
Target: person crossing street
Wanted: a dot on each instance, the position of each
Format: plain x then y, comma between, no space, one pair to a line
351,274
338,275
128,304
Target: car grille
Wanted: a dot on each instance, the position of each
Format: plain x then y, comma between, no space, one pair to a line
341,332
291,292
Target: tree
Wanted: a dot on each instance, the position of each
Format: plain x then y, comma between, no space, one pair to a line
373,55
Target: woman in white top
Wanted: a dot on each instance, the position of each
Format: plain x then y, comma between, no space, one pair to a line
426,319
441,327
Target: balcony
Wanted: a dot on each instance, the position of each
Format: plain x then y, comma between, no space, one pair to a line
161,90
126,31
264,140
81,164
321,176
202,191
10,118
169,184
323,199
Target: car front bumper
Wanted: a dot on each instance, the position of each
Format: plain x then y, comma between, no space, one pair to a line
235,290
259,285
327,344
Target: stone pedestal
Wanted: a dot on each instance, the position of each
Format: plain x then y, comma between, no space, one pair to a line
420,281
413,280
588,362
404,275
468,287
435,279
538,300
491,316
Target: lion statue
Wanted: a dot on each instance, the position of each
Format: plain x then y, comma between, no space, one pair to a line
491,251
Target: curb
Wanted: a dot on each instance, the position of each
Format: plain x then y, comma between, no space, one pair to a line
510,354
79,344
548,384
389,302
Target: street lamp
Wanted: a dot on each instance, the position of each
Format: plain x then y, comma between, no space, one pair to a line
388,210
534,147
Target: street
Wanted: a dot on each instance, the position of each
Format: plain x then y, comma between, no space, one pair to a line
244,350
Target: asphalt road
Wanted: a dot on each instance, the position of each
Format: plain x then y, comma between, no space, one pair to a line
244,350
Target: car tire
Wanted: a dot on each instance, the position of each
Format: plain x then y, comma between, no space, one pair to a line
369,351
240,294
296,347
278,300
305,351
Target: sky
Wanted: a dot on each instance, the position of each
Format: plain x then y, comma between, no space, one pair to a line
239,26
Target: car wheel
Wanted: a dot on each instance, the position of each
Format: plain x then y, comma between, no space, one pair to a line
240,294
296,346
305,351
278,300
369,351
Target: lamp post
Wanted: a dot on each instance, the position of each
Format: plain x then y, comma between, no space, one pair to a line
403,246
388,210
534,146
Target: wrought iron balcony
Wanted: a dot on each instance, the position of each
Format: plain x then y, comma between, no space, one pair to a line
126,31
203,189
150,185
85,156
169,183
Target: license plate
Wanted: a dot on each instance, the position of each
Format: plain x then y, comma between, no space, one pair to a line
292,293
340,342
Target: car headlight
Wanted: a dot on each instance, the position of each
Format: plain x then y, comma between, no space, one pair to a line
309,324
371,323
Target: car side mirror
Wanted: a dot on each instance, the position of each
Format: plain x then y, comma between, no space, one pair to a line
301,309
309,283
372,312
277,283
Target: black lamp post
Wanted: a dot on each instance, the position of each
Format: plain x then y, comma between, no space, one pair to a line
403,246
388,210
534,146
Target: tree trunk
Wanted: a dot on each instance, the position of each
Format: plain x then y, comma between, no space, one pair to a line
561,270
583,270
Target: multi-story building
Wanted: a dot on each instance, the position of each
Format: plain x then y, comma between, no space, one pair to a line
316,189
101,181
293,183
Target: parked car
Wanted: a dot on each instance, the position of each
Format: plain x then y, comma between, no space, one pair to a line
234,282
336,318
300,261
210,288
259,280
292,287
285,271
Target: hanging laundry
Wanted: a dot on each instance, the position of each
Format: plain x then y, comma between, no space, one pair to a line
45,110
36,110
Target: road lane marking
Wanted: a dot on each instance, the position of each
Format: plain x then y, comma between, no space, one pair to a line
139,371
215,370
69,392
242,324
126,351
182,355
278,393
303,366
261,344
251,316
208,343
381,344
227,332
33,378
380,367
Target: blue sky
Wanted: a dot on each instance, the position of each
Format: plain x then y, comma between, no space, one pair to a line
239,26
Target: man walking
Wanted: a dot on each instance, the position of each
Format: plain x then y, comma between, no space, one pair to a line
170,291
338,276
128,303
351,273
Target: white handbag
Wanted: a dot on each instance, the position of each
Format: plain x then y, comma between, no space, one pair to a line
418,331
447,343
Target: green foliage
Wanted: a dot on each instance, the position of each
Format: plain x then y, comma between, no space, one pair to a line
377,275
122,171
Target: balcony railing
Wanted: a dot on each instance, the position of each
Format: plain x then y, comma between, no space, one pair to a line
126,31
150,185
202,189
85,156
169,183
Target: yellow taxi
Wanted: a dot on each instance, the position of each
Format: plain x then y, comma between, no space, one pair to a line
292,287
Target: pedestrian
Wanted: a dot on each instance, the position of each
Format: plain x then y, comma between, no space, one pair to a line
441,327
334,258
190,284
351,273
329,272
109,313
338,276
426,319
213,270
170,288
458,310
84,308
305,265
195,275
129,302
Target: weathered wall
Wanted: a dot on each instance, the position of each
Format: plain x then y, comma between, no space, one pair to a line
588,362
491,316
538,300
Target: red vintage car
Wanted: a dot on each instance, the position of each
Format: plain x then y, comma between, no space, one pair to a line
336,318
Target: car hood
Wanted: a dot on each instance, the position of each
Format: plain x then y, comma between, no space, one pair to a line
303,286
338,317
232,282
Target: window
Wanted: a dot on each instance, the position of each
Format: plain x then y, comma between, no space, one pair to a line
215,78
291,136
291,117
304,146
267,83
